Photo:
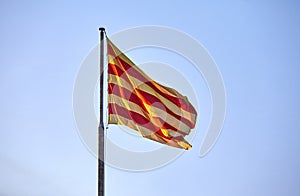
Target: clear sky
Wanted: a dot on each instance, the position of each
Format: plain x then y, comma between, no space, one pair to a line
255,44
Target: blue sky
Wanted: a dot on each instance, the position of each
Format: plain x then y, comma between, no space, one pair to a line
255,45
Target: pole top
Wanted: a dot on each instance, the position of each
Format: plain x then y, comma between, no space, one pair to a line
101,29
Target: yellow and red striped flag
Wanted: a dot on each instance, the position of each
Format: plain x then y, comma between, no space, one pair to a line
159,113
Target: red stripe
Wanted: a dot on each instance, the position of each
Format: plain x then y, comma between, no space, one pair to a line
163,123
115,70
110,50
136,117
155,102
131,115
142,121
130,70
126,94
151,100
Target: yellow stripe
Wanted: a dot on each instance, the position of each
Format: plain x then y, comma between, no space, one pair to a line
111,57
144,87
164,89
155,112
170,91
146,133
152,113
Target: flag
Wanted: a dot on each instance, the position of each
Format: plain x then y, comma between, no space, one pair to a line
135,100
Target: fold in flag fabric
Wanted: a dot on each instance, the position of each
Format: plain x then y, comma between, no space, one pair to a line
135,100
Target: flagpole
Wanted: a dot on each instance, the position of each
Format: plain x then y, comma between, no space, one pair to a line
101,171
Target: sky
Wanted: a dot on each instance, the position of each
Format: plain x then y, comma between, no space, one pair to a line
255,44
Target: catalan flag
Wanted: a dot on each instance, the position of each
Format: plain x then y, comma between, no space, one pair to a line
135,100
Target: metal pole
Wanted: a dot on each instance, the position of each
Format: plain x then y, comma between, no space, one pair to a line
101,170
